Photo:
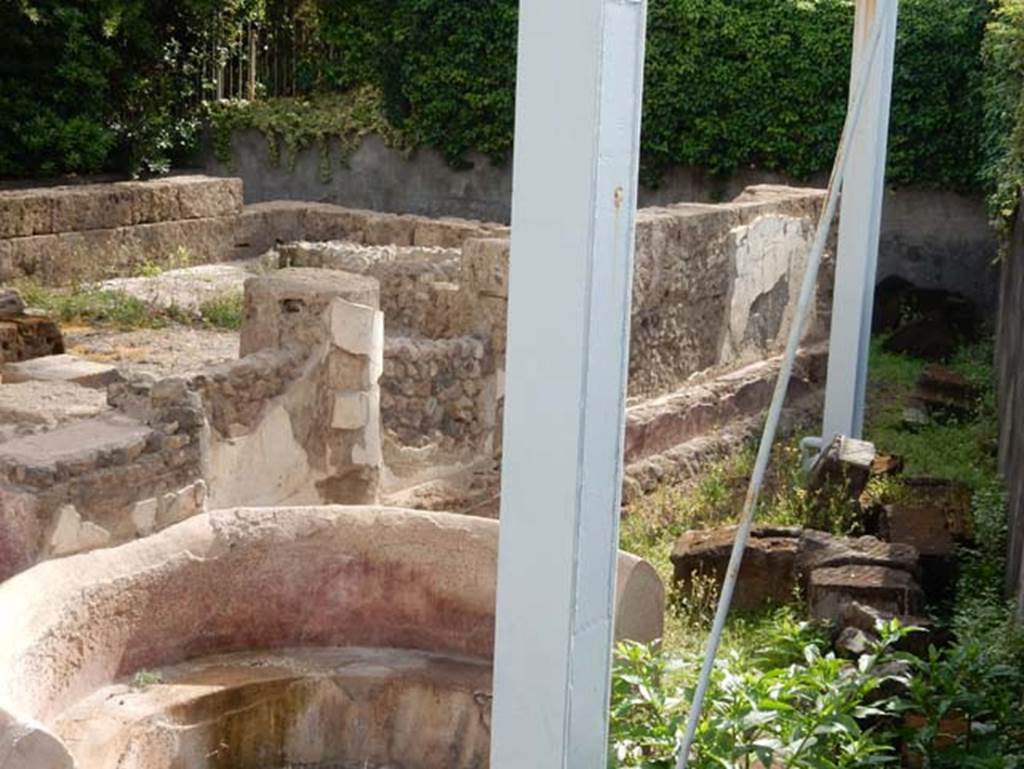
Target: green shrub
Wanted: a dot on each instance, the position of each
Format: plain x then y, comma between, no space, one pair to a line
808,709
730,83
1003,160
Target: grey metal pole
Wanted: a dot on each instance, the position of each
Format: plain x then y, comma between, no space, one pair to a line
574,201
860,223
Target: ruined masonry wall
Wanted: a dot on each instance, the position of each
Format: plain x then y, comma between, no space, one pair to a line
440,392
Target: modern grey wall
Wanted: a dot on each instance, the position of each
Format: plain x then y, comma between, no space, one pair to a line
931,237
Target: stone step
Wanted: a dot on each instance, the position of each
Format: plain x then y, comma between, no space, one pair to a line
62,368
45,458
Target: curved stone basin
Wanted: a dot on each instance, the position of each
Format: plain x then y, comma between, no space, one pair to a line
378,617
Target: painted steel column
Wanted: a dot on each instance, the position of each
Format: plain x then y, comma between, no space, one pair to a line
860,222
573,207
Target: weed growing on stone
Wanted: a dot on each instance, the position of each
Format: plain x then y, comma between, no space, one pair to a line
144,678
81,304
224,312
99,306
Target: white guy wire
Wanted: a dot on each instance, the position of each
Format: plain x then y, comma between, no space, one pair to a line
782,384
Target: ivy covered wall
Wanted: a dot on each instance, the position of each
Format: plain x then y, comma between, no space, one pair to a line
731,84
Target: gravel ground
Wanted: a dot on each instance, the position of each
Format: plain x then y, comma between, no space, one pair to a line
161,351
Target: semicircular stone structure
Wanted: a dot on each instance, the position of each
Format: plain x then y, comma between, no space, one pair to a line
328,637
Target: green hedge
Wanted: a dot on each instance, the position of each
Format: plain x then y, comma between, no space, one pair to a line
1003,138
104,85
730,83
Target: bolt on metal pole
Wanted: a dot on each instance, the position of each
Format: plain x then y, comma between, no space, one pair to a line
580,74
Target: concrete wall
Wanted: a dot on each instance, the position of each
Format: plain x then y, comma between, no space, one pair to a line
1010,364
933,238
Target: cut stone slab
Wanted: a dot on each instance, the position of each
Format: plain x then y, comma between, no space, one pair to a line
11,303
867,618
27,336
62,368
885,589
767,576
940,394
29,407
845,461
37,459
934,516
821,550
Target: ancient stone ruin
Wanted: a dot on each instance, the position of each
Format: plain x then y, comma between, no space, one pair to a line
215,543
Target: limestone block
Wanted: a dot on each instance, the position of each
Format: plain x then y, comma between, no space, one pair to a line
288,306
389,229
144,515
23,213
62,368
357,329
351,411
767,575
485,263
370,450
447,233
91,207
885,589
29,336
202,197
73,535
11,302
324,221
28,745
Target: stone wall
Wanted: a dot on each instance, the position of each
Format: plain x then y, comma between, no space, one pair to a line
934,238
1010,360
439,392
60,234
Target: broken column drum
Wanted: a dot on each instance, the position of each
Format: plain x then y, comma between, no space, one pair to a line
318,637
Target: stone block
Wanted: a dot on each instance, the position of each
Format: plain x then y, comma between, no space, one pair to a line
484,266
640,602
23,213
767,575
92,207
933,515
23,337
62,368
845,461
447,233
351,411
201,197
28,745
389,229
940,394
887,590
821,550
71,534
290,306
143,516
11,303
357,328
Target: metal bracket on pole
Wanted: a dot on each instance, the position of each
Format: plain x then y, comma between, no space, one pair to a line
859,230
580,75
